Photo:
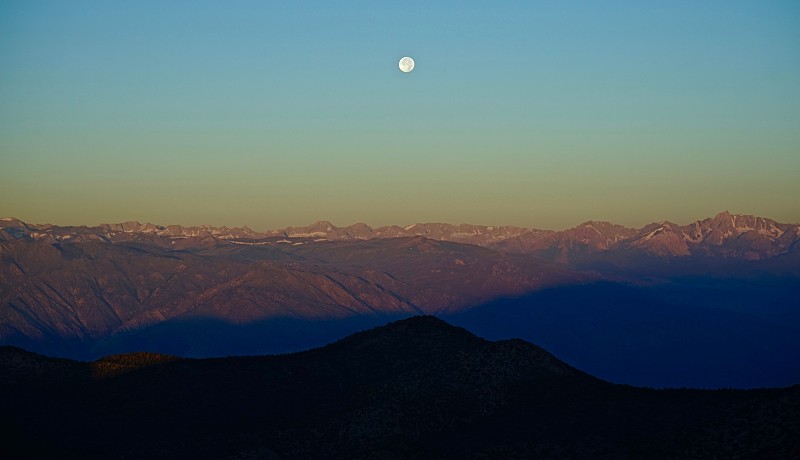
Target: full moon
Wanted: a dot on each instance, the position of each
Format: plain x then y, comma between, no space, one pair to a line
406,64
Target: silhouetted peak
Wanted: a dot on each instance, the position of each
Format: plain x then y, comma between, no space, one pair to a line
12,350
17,365
10,353
422,325
419,336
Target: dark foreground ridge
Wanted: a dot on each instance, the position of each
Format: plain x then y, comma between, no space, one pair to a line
417,388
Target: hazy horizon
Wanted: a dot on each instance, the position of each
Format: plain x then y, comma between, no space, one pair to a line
373,225
539,115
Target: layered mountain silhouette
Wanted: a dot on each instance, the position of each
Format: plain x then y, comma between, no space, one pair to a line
417,388
709,304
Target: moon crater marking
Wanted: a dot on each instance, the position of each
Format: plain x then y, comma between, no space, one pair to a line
406,64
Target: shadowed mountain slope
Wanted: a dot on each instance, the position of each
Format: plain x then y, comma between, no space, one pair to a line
711,304
75,297
417,388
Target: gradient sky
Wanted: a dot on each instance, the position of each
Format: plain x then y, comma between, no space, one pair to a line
269,114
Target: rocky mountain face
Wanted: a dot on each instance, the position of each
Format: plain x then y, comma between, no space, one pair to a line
418,388
723,236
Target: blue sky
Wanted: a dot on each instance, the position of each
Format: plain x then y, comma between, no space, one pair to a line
541,114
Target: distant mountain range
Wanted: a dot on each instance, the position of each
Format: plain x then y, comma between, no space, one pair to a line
414,389
85,292
724,235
